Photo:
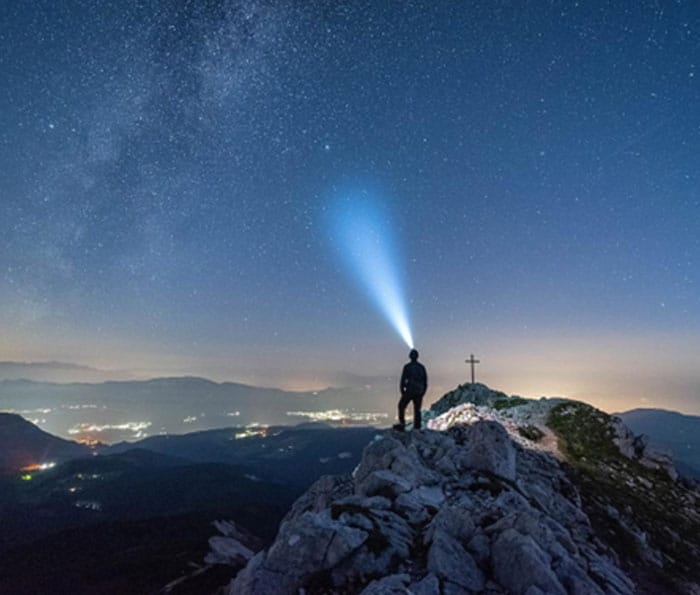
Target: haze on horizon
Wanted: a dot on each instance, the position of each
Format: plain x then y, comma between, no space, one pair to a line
167,171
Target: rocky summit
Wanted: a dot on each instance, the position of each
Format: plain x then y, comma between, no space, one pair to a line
498,495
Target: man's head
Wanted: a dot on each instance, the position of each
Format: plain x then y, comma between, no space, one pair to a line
413,355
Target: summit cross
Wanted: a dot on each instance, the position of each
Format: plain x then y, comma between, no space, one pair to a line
472,361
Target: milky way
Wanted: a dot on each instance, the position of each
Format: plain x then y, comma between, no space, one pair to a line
166,169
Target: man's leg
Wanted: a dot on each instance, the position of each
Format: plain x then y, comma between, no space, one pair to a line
403,403
417,421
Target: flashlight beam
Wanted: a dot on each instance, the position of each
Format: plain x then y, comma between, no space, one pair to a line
366,243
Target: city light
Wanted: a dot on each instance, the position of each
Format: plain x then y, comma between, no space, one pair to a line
339,415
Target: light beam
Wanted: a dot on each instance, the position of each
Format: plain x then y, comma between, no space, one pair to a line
363,234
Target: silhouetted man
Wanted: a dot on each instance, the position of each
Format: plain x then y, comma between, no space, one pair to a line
414,382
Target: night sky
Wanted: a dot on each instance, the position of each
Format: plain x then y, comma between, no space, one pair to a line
167,170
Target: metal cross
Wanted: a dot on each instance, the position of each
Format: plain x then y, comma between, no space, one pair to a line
472,361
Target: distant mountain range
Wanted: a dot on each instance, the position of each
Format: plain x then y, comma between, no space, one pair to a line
128,410
672,431
114,411
57,372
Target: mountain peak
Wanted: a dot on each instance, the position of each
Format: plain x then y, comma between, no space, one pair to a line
501,495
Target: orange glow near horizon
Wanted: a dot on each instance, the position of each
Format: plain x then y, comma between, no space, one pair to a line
91,442
38,466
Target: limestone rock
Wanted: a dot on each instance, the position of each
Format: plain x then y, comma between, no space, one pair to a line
450,562
256,579
234,547
312,542
574,579
322,492
377,455
479,547
452,520
411,508
512,550
227,550
486,447
382,483
305,545
389,543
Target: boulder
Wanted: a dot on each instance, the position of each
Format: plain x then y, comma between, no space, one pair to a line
322,492
549,536
429,496
234,547
387,546
410,507
574,579
479,547
449,561
256,579
382,483
486,446
452,520
410,465
377,455
312,542
513,550
227,550
418,505
306,545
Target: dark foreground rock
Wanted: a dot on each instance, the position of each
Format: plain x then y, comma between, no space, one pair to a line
466,510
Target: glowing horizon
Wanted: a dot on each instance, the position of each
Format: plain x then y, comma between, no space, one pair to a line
365,241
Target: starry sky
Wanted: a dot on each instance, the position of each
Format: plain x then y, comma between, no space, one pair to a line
167,169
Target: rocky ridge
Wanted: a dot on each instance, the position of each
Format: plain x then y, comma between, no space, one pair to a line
492,498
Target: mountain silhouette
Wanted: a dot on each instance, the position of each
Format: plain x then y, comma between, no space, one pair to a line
22,444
